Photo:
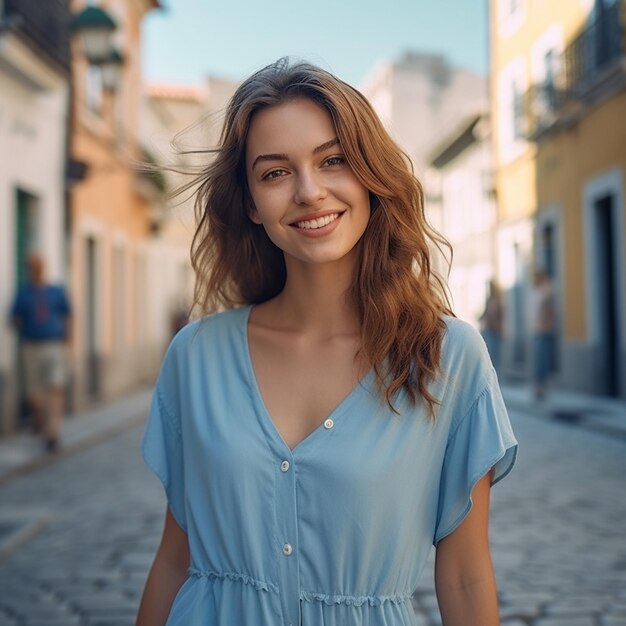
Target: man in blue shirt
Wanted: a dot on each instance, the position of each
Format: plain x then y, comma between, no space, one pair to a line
42,315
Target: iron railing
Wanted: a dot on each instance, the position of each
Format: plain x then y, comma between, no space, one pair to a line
45,23
596,48
583,65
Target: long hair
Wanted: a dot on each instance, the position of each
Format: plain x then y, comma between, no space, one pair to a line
399,299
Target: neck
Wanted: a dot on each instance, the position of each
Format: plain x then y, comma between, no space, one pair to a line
316,297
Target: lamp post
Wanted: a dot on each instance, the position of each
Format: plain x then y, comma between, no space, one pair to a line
94,27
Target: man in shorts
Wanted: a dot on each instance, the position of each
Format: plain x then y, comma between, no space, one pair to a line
42,315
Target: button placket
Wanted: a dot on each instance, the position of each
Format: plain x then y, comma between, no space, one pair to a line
287,535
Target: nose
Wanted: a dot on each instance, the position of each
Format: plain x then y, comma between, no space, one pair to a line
310,188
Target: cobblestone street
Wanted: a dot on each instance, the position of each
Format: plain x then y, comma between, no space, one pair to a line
87,527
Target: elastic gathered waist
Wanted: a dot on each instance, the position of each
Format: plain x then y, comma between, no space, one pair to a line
373,600
305,596
260,585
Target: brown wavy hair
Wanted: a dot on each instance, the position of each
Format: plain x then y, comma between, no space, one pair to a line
398,297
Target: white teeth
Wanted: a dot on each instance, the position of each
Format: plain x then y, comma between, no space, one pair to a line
318,222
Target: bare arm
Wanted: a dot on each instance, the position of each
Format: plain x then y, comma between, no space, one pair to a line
168,573
464,577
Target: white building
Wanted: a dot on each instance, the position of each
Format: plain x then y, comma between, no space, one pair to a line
34,74
463,164
419,98
176,119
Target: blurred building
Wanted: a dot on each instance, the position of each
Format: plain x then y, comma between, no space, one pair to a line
111,219
420,97
559,107
166,111
463,166
178,125
34,80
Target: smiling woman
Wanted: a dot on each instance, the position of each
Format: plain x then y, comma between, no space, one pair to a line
316,437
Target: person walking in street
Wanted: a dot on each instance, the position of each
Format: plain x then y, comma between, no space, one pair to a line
491,323
334,420
41,313
544,329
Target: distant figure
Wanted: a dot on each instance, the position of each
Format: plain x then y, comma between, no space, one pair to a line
491,323
41,313
544,328
179,319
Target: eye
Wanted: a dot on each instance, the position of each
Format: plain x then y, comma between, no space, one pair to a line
271,175
334,160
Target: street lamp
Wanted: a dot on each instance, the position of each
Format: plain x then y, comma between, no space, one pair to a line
95,27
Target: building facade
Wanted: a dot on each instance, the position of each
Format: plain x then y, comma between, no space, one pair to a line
463,166
34,88
559,105
111,221
177,120
420,97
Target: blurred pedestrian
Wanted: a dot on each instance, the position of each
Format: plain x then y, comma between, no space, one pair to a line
544,331
179,319
491,323
334,420
42,315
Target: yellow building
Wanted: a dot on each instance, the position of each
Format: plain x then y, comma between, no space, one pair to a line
559,105
110,219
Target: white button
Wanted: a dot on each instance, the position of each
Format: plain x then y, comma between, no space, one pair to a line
284,466
287,549
328,424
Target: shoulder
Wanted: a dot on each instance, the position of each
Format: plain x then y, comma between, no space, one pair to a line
462,341
465,363
201,337
199,350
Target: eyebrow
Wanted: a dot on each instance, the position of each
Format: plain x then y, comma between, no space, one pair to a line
284,157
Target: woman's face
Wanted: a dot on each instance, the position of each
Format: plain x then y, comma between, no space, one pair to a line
304,193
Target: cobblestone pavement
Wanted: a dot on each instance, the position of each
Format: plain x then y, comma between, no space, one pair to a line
87,528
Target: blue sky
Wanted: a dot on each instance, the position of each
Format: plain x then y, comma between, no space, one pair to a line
190,39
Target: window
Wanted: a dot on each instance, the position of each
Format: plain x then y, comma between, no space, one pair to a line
119,302
517,98
511,16
94,89
512,122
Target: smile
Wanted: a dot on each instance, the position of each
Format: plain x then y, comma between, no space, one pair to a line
319,222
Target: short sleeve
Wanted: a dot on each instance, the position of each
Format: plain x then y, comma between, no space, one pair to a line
163,453
482,439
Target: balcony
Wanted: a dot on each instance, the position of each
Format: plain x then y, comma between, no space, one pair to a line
44,24
592,68
597,49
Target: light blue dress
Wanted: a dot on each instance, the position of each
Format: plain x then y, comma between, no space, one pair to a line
336,531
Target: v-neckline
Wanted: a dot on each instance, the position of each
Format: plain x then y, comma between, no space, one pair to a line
263,411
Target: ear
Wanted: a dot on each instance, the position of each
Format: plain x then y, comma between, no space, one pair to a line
253,214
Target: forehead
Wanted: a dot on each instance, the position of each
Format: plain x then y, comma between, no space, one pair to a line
299,124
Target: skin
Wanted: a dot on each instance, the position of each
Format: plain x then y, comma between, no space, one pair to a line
303,342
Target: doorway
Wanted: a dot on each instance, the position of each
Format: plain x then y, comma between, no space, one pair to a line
92,381
607,290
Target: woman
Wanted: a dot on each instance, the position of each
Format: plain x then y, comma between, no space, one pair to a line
318,436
